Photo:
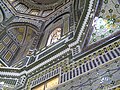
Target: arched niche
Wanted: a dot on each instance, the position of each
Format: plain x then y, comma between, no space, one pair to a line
18,40
58,27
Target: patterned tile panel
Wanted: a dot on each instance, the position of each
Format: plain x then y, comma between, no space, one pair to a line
8,56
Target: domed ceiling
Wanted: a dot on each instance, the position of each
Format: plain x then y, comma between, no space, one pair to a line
42,8
45,1
41,4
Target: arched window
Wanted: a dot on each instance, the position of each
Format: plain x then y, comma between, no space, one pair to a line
54,36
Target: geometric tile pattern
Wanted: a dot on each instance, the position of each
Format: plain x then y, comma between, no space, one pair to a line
1,47
13,48
6,40
8,55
